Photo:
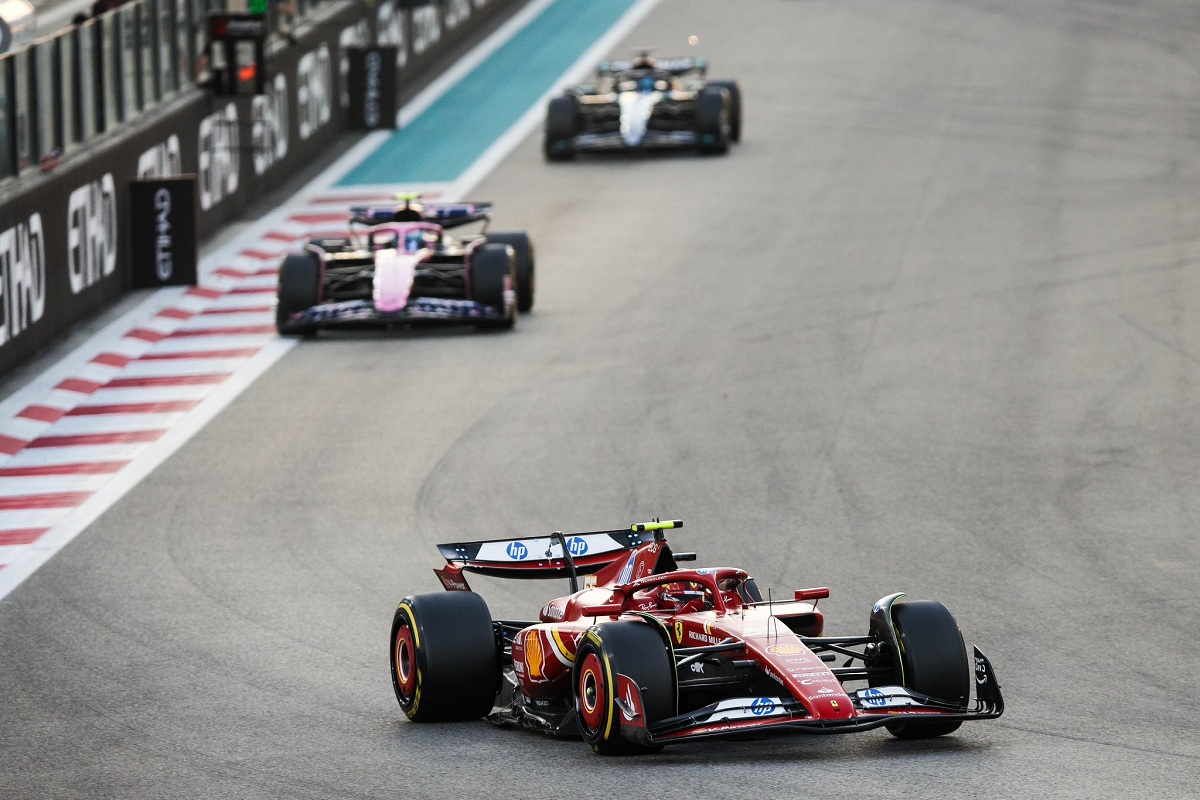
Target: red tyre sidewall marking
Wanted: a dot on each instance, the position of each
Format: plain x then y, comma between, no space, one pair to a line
405,661
591,679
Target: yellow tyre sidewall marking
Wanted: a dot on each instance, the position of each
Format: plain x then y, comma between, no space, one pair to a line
610,700
411,711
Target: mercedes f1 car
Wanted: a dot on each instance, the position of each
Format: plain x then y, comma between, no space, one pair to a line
645,103
648,653
399,265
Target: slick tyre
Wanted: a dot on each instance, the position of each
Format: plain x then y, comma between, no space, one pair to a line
735,107
444,659
562,125
522,245
712,121
638,652
493,277
932,661
299,289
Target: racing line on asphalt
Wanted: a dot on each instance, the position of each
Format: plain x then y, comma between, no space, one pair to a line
83,433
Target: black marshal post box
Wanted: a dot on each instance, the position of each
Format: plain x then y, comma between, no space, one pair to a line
226,31
165,224
371,82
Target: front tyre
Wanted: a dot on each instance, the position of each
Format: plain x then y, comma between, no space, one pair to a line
523,251
299,290
444,660
493,277
562,125
638,653
932,661
712,121
735,107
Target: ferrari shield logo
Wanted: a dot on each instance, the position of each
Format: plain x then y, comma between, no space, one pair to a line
535,658
678,632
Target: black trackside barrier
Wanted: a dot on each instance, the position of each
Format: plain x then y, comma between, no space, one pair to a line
67,232
164,227
371,84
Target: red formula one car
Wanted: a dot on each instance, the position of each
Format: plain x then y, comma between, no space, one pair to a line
648,654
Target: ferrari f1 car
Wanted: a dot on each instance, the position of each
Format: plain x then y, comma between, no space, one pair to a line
648,653
399,265
645,103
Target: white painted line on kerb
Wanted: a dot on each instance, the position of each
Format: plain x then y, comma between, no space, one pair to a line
83,515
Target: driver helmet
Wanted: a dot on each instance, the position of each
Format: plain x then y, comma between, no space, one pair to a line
414,240
408,212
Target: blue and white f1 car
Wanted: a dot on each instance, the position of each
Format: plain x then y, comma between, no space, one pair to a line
645,103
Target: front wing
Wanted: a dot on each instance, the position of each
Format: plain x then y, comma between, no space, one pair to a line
652,140
418,309
875,707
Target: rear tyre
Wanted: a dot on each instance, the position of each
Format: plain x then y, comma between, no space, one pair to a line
299,289
712,121
637,651
932,661
522,245
493,274
445,664
562,125
735,107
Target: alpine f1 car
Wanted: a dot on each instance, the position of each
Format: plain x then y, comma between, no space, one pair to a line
645,103
648,654
399,266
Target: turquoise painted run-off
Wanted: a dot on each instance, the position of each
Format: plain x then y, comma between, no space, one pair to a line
451,134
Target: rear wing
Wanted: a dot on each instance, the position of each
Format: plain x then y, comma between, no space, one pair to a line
448,215
675,66
544,556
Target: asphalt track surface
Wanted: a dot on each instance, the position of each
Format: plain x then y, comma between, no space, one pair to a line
931,327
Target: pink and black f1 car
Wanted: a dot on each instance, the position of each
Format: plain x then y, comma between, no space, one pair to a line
399,266
648,654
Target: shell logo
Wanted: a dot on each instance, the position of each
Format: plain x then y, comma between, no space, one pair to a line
535,657
787,649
